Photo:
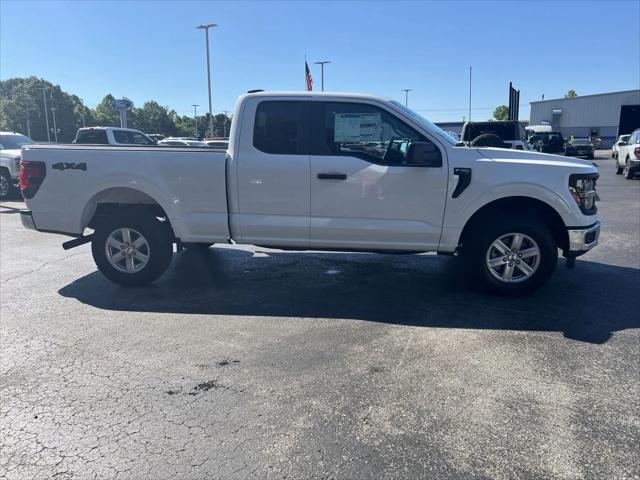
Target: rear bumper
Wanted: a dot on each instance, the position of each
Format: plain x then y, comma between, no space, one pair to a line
27,220
581,240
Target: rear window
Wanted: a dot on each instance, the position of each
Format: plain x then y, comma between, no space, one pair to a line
92,136
581,141
278,127
506,131
551,137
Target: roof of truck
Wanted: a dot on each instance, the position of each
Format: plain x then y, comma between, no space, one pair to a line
312,94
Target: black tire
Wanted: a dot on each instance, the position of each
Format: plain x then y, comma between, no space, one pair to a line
485,234
590,157
627,172
619,169
488,140
159,246
6,185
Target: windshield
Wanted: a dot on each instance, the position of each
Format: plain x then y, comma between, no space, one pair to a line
426,124
14,142
506,131
581,141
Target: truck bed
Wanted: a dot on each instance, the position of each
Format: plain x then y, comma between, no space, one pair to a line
188,184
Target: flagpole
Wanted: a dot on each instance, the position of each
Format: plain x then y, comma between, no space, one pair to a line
305,72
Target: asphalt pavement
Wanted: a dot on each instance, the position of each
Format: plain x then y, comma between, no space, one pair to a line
251,363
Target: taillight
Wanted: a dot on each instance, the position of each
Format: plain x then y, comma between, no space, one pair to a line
636,152
519,147
31,177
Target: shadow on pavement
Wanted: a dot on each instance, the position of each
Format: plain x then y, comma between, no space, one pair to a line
586,304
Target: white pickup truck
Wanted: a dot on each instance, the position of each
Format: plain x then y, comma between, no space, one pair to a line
320,172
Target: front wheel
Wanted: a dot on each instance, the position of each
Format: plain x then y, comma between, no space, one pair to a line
627,172
132,249
511,257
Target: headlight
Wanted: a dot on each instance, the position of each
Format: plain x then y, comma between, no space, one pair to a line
583,191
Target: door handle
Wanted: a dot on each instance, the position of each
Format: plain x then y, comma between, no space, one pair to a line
332,176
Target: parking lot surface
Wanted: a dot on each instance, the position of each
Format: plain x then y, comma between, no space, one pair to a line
250,363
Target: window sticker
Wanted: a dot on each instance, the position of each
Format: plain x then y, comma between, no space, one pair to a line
357,127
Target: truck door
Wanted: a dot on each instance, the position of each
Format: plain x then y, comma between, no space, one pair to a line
364,192
272,174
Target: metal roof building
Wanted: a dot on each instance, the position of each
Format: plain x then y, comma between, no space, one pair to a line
588,115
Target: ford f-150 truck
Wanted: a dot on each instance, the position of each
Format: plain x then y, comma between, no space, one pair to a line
320,172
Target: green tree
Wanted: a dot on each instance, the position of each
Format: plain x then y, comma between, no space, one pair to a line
570,94
153,118
105,115
22,109
501,113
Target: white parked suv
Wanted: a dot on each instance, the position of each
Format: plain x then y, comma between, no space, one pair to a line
307,170
111,136
628,161
622,140
10,145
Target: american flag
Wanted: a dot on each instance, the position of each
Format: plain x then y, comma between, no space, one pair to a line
308,77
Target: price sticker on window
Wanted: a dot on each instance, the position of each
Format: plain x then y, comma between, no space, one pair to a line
357,127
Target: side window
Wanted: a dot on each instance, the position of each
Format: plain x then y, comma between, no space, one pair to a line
93,137
363,131
121,136
281,127
138,139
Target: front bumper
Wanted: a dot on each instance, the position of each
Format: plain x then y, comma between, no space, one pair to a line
581,240
27,220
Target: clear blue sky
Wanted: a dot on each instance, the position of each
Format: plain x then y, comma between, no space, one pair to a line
151,50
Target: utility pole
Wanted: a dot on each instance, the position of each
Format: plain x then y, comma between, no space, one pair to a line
406,96
82,105
28,123
206,38
322,71
225,122
46,113
55,128
469,92
195,116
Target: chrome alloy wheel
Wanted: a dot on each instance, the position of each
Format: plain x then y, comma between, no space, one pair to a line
513,257
127,250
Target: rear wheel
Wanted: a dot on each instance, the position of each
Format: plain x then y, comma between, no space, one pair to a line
6,187
132,249
619,169
512,257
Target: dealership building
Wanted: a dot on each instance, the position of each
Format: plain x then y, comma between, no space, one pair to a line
604,115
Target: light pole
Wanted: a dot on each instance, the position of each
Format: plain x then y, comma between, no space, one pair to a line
322,71
195,116
28,123
55,129
206,38
46,114
406,96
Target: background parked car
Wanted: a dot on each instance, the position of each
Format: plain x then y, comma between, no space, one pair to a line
10,145
221,144
179,142
579,147
622,140
628,161
511,133
111,136
550,142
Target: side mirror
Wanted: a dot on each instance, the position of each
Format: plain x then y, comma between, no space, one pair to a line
424,154
622,144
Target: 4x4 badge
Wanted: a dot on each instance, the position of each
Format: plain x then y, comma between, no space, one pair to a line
69,166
